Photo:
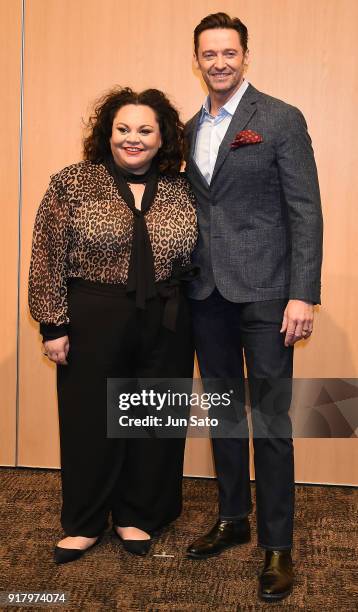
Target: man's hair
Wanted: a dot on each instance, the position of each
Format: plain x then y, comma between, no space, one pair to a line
221,20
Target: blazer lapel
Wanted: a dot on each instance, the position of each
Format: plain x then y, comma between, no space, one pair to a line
193,133
191,163
245,110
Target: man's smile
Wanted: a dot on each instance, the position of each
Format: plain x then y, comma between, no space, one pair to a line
220,75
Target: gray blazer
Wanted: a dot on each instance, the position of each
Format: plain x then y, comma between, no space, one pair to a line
260,221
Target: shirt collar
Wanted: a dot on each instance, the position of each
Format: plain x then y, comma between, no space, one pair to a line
231,105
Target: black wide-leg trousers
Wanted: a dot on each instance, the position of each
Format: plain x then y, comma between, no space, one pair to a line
138,481
223,332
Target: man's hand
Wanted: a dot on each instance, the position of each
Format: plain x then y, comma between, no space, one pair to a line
297,321
57,350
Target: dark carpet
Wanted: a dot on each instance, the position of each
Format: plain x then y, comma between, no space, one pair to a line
108,578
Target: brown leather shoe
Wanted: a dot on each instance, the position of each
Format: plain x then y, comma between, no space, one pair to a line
223,535
276,579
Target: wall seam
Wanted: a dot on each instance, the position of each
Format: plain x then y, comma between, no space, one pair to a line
20,176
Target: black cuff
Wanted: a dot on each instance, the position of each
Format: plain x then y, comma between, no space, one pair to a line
50,331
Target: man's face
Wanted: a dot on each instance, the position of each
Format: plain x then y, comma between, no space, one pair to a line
221,60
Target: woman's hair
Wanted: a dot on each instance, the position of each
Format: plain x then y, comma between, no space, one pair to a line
96,145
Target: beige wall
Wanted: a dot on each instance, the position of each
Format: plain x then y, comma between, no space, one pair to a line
10,56
76,49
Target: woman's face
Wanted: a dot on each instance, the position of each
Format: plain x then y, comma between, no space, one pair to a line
135,137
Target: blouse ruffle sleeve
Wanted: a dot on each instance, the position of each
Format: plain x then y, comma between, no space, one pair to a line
48,267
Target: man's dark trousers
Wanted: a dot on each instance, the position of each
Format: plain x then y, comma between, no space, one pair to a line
225,330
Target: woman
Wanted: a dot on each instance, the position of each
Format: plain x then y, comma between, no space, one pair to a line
112,238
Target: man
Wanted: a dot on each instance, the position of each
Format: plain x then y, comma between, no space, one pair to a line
251,165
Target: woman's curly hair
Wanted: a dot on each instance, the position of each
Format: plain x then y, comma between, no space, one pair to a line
96,145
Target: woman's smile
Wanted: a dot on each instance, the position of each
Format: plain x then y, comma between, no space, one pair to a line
132,150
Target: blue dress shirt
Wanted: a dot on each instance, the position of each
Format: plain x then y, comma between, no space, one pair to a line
211,131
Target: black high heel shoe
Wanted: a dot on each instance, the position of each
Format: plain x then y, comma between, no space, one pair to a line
135,547
66,555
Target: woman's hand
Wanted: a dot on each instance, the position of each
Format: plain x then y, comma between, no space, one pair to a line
57,350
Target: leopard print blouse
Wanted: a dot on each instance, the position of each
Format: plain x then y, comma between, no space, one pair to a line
83,229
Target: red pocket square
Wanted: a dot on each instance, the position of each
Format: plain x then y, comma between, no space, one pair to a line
246,137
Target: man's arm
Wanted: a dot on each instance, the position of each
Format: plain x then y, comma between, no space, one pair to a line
299,183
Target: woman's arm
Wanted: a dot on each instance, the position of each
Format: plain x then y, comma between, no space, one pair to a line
48,267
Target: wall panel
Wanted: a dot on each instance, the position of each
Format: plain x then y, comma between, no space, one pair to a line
302,52
10,63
